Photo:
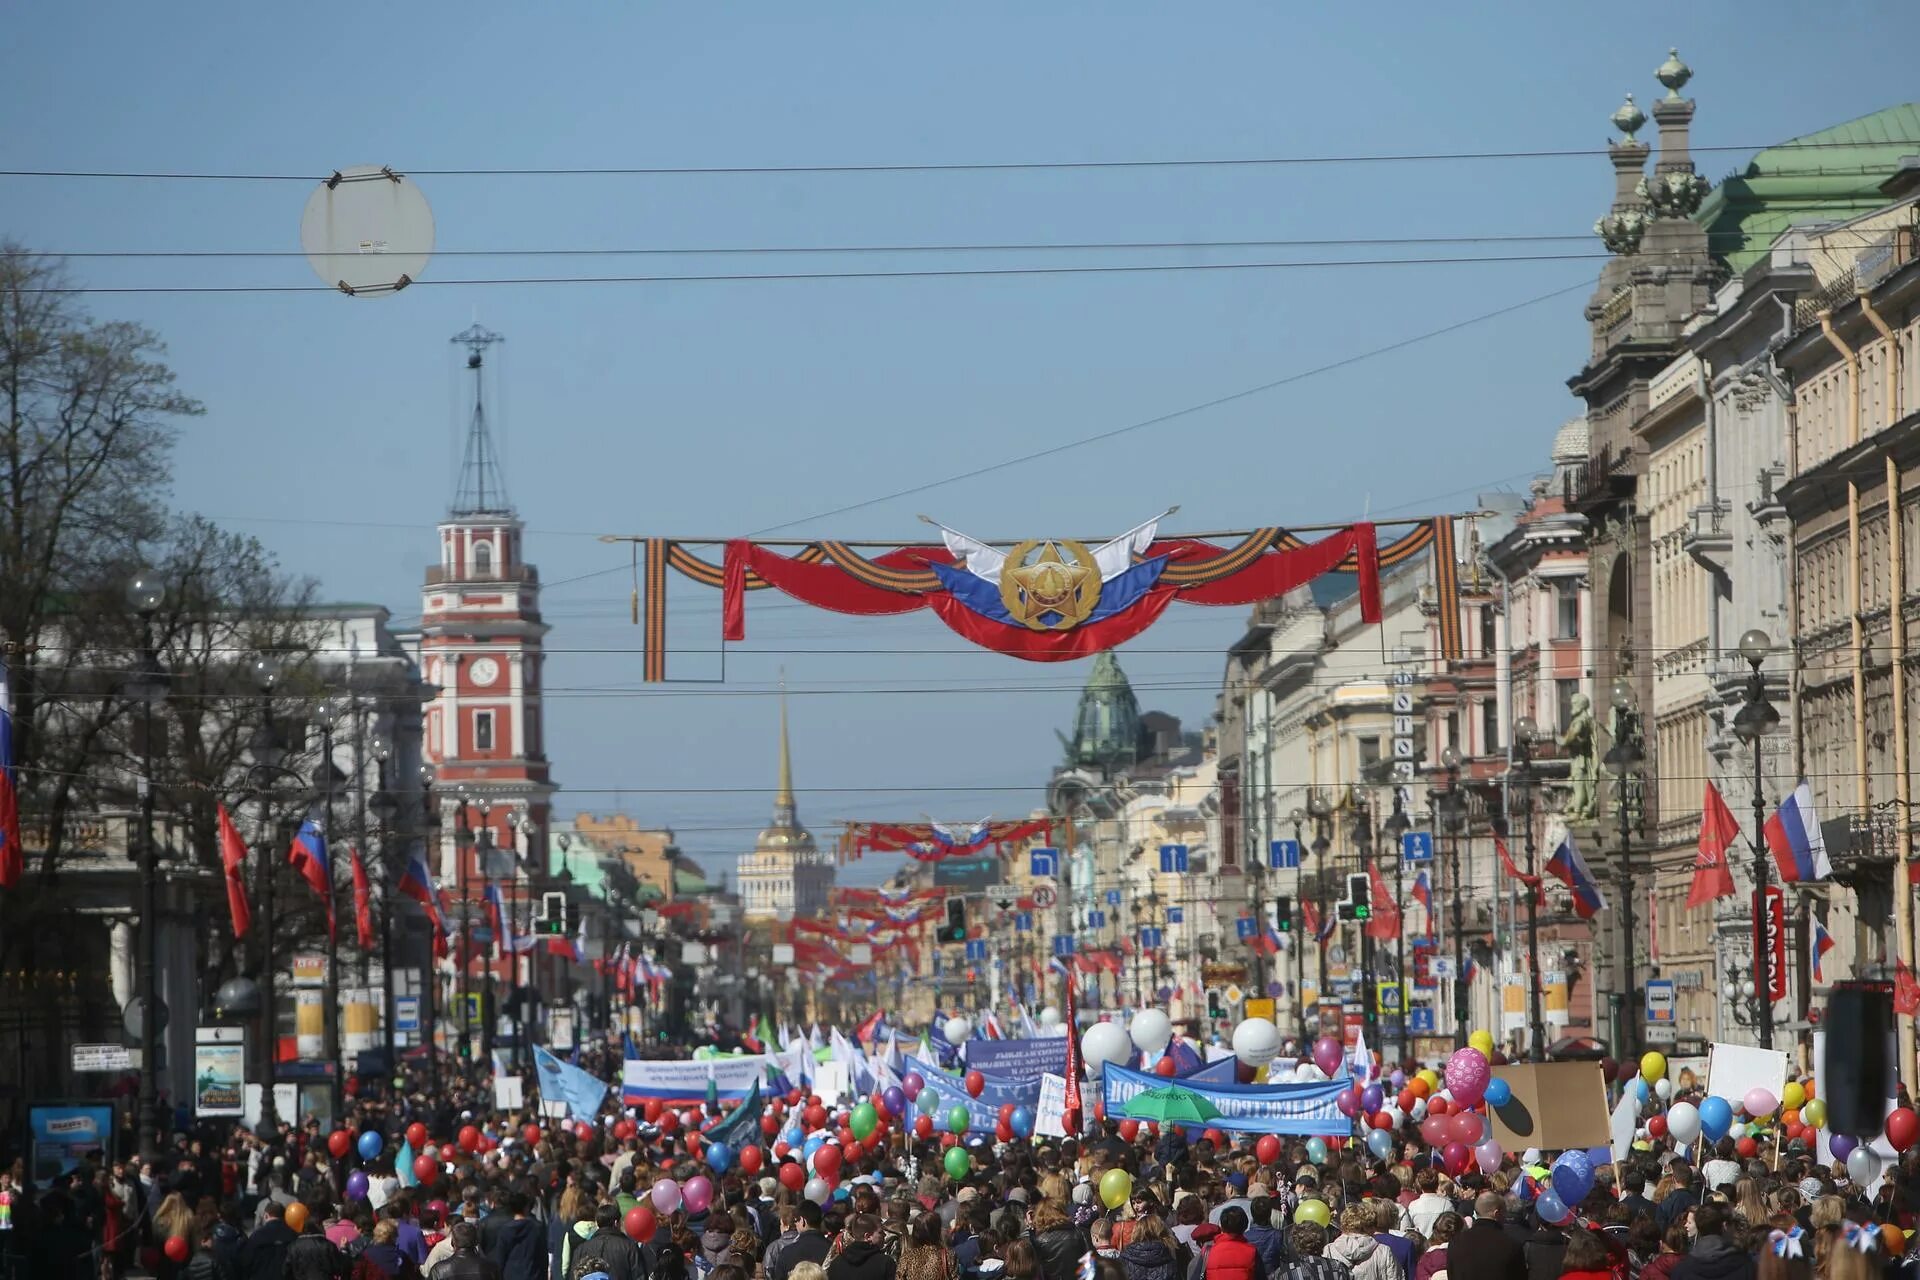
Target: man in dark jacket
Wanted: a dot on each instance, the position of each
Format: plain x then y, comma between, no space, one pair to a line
1713,1256
1484,1250
312,1257
264,1255
1268,1240
1684,1196
519,1243
466,1262
861,1257
608,1249
806,1246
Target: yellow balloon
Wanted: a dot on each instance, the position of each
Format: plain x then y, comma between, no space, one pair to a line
1814,1114
1314,1211
1483,1041
1793,1095
1431,1076
1653,1066
1115,1186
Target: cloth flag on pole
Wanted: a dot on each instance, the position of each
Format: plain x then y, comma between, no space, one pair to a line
233,860
1793,833
1385,921
560,1082
403,1164
1817,947
1423,894
1532,882
1712,878
1070,1117
362,900
13,855
309,858
1571,870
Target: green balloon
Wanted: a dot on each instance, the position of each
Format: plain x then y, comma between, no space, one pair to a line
959,1163
957,1121
863,1121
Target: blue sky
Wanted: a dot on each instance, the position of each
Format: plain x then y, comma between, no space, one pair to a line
722,408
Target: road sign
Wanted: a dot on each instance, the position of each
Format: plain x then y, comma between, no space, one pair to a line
1023,922
1387,997
1663,1035
1660,1002
1045,895
1441,966
406,1013
1150,939
1004,899
1043,863
1063,944
1284,855
1244,928
1233,995
102,1057
1173,858
1096,919
1113,897
1176,915
1420,1019
1417,846
1259,1007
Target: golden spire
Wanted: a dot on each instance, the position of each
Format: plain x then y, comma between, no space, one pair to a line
783,798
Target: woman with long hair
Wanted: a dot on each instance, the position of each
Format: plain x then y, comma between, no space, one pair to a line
1433,1263
922,1255
1151,1252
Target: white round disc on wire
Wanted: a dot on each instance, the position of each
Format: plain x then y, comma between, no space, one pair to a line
367,231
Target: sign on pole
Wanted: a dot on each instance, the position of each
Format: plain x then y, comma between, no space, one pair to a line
102,1057
1660,1002
1417,846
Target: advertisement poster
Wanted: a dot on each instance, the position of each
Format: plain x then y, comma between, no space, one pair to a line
63,1135
309,969
309,1023
219,1077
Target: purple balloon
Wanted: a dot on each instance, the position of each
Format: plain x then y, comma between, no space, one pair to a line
1399,1078
896,1099
1348,1104
912,1083
1328,1054
1371,1098
357,1185
1842,1145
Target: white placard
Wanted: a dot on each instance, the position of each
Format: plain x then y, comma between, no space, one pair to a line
508,1093
286,1101
1050,1113
102,1057
1732,1069
830,1081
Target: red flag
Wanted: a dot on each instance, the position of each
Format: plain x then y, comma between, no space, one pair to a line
362,900
1532,882
1711,876
233,856
1385,921
1070,1120
1906,992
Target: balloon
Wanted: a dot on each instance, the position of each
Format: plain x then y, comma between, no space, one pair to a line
1487,1156
640,1223
1572,1177
1863,1166
923,1127
750,1160
1551,1208
1267,1149
417,1135
426,1170
827,1161
1814,1113
1328,1054
1716,1117
665,1195
894,1099
1429,1077
1454,1157
296,1217
911,1084
1116,1186
1466,1128
864,1120
1379,1144
1683,1122
1842,1145
1317,1150
1499,1093
1371,1097
1256,1042
1104,1042
1380,1120
792,1176
1314,1211
818,1190
1483,1041
1129,1130
1166,1068
1348,1104
1794,1095
1433,1131
958,1029
1903,1128
1759,1102
1021,1122
697,1195
719,1157
958,1119
357,1185
1151,1030
928,1102
1657,1127
339,1142
1746,1148
177,1249
1653,1065
1638,1088
1467,1076
370,1144
468,1137
529,1133
975,1083
1002,1131
957,1163
1049,1017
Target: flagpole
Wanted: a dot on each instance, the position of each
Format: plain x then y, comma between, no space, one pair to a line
328,714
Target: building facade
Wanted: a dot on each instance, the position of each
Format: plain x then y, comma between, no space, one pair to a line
787,874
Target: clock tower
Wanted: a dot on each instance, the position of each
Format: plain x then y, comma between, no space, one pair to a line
480,648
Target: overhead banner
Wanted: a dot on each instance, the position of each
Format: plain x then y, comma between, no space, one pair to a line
983,1112
1017,1060
1556,1106
1300,1110
685,1081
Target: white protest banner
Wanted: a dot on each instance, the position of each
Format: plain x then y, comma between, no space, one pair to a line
685,1080
508,1093
831,1083
1733,1069
1050,1117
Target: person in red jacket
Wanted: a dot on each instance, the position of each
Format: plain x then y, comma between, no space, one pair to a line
1233,1257
1586,1258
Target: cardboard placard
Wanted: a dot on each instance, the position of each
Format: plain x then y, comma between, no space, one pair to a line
1556,1106
1733,1069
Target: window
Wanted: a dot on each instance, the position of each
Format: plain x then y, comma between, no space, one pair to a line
483,730
1489,641
1566,611
1453,733
1369,754
482,559
1490,726
1563,695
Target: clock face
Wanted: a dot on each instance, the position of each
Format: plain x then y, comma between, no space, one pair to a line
484,671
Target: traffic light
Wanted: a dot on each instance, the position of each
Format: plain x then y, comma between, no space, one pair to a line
1283,914
552,918
1215,1008
955,929
1358,904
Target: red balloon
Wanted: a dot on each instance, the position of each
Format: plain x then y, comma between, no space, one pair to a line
487,1143
949,1140
177,1249
792,1176
769,1125
1267,1150
871,1141
469,1137
923,1127
693,1142
669,1122
417,1135
1434,1130
640,1223
529,1133
1406,1099
827,1161
339,1142
780,1150
1006,1113
1903,1128
1216,1137
1657,1126
1380,1120
1438,1106
1456,1157
583,1131
690,1118
1747,1148
1002,1131
793,1100
1129,1130
1165,1067
427,1171
815,1117
653,1110
975,1084
751,1160
1100,1112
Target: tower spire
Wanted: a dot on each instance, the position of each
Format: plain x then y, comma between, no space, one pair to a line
783,798
480,490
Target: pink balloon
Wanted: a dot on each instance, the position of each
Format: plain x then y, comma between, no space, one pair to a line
1487,1156
1759,1102
1467,1075
1465,1128
666,1195
1434,1130
1455,1157
1328,1054
1349,1104
697,1195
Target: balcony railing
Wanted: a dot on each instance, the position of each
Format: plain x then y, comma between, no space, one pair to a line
519,573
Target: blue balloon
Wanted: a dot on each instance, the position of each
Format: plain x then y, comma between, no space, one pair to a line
1021,1122
1499,1092
1639,1088
719,1156
1716,1117
794,1137
1572,1178
1317,1150
928,1102
369,1145
806,1152
1550,1208
1380,1143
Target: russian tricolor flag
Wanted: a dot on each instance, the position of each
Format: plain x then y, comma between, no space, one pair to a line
309,858
1423,894
1570,869
1793,833
1817,948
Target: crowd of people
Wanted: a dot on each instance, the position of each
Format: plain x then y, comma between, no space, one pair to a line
603,1201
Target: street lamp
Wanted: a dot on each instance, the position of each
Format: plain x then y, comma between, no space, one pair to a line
1321,812
1395,828
1452,808
384,807
268,762
463,841
1297,940
430,987
1521,785
523,823
1753,722
1623,762
327,714
148,687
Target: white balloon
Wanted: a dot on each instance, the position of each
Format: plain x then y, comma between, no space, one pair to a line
1049,1017
1419,1111
1395,1114
1151,1030
958,1029
1286,1075
1863,1165
1663,1087
1683,1122
1308,1072
1256,1042
1104,1042
818,1191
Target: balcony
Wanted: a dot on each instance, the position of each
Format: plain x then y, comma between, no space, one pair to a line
1707,538
438,574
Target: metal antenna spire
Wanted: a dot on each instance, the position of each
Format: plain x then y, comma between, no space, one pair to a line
480,490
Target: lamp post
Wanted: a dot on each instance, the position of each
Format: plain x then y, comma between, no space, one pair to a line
523,824
1521,785
1298,941
1322,814
1452,807
1363,847
327,715
1753,722
462,959
148,687
384,807
430,987
268,756
1623,762
1395,829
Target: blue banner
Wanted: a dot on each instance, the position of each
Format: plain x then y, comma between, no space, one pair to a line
1294,1109
983,1112
1222,1071
1018,1060
559,1082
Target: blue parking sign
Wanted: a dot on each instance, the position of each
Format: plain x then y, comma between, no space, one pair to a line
1420,1019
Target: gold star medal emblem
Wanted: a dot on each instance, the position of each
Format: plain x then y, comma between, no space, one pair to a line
1051,593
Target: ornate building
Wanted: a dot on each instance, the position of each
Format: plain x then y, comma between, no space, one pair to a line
786,875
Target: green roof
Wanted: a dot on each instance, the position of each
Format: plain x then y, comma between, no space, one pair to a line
1837,178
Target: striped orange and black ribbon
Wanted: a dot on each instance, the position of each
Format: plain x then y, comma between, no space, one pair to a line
1446,589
